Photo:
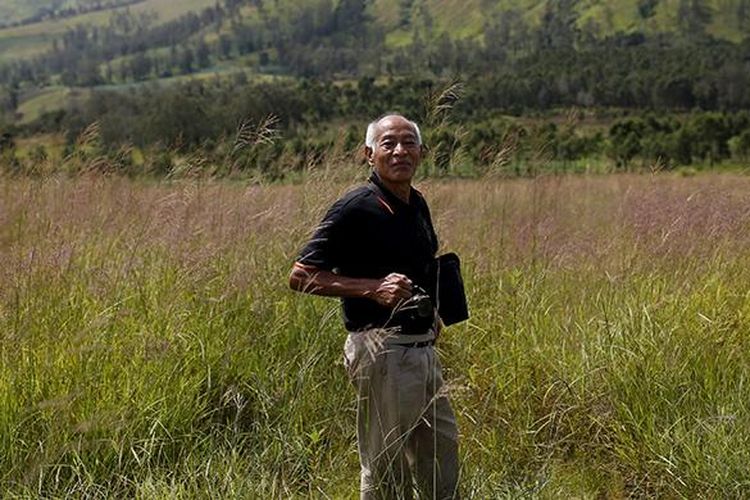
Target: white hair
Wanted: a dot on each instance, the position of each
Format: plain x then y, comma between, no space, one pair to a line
372,129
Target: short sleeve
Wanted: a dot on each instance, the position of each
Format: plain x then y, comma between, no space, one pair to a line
324,250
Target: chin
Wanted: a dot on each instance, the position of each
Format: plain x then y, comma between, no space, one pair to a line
403,173
403,177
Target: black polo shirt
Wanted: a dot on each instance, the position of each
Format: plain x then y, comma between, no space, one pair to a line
370,233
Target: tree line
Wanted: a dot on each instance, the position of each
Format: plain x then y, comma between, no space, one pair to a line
209,117
516,64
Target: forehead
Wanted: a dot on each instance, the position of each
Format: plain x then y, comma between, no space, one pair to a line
395,126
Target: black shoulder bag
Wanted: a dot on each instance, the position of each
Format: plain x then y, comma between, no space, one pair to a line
450,293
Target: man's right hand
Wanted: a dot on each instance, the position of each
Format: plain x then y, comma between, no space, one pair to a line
387,292
392,289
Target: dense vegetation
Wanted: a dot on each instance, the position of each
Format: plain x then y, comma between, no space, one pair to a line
236,128
553,63
652,94
323,38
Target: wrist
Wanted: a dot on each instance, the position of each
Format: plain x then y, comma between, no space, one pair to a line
370,288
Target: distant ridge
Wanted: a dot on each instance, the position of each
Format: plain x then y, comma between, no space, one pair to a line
725,19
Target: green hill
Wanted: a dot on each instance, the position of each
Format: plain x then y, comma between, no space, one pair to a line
117,44
28,40
725,19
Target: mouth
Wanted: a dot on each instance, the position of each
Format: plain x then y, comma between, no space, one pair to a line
401,165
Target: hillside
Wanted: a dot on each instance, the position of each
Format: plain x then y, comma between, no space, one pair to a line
400,20
724,19
28,40
532,54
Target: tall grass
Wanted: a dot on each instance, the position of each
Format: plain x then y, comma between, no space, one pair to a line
149,346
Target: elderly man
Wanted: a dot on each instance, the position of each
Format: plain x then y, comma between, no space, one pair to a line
374,249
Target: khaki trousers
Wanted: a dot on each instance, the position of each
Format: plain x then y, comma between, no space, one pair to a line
406,429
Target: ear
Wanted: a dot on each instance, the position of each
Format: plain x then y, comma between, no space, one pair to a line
368,154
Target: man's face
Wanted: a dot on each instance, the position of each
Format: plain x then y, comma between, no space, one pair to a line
397,151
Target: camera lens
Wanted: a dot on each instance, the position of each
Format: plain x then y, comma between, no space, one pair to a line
424,306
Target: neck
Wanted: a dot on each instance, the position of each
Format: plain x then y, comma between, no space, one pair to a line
402,190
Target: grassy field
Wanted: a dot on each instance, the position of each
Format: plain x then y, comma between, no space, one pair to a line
45,100
13,11
25,41
149,346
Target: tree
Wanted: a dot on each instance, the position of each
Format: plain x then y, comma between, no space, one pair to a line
9,99
140,66
404,8
647,8
693,16
739,145
8,159
186,61
743,14
495,41
225,46
625,140
558,29
349,15
203,54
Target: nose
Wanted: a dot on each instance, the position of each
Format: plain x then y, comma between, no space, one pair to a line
399,149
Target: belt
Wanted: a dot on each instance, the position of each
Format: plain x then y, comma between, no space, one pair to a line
424,340
418,344
395,338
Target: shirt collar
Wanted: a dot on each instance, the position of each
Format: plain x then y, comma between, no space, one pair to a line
390,197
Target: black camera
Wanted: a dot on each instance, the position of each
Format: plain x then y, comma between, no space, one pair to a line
421,302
